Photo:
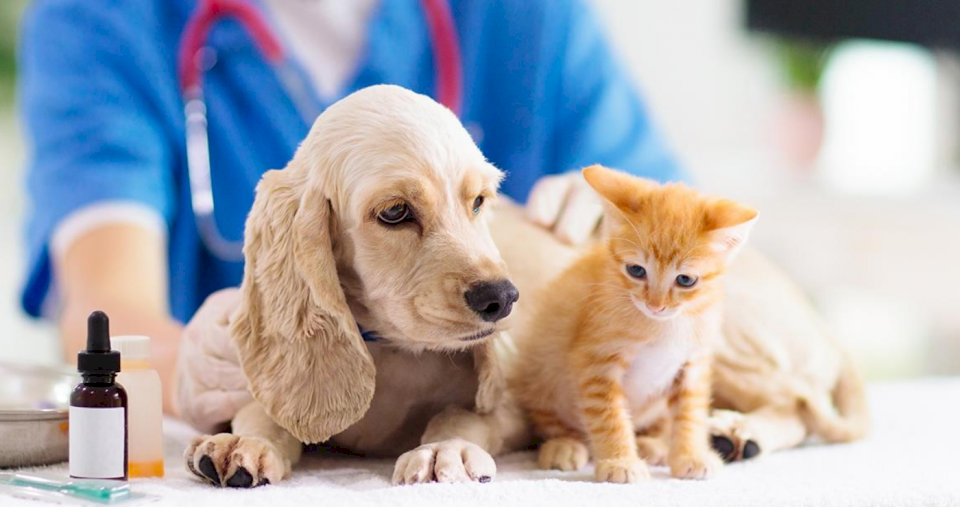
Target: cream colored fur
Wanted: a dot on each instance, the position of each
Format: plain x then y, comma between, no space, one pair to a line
319,264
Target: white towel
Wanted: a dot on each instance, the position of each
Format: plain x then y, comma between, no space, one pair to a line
911,459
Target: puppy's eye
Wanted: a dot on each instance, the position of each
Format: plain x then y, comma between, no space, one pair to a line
396,214
686,280
477,203
636,271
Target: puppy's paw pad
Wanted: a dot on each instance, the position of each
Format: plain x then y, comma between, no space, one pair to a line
751,449
702,465
237,462
453,460
731,436
566,454
622,471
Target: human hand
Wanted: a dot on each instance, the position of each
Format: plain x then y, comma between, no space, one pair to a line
211,386
566,204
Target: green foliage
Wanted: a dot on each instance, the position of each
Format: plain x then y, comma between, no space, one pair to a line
10,11
802,63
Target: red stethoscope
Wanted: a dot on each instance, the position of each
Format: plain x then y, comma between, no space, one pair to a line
192,62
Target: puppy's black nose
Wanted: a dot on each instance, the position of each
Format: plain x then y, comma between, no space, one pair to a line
492,300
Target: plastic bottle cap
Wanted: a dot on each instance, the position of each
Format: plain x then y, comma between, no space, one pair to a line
133,347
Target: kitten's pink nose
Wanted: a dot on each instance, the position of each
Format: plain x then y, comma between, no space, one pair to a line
655,309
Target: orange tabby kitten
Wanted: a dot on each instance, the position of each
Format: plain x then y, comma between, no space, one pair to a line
620,352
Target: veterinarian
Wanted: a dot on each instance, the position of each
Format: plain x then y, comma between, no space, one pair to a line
120,217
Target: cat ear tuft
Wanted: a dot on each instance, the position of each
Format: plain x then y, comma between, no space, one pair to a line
728,226
620,189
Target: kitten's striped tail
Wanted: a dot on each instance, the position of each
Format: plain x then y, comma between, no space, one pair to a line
843,415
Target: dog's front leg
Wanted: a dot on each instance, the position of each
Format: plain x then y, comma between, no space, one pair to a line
258,452
459,445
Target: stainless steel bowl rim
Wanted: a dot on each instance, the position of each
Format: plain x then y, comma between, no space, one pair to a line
49,414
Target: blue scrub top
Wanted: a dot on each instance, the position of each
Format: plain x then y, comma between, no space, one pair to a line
104,113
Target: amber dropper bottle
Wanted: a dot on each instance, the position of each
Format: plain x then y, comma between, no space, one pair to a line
98,409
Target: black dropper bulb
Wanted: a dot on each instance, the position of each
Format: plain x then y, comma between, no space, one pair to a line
98,359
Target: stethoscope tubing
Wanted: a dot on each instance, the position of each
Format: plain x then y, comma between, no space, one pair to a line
190,67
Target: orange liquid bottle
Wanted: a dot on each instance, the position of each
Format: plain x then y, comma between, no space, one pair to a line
145,406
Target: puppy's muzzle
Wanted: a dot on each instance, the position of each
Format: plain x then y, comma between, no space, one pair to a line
492,301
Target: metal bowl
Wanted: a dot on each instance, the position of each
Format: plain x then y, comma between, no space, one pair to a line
34,403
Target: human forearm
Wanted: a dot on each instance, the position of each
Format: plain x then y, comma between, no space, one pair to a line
163,331
120,269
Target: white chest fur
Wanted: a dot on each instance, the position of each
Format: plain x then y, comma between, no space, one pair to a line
654,367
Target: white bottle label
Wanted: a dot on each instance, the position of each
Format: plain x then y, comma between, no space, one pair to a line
96,442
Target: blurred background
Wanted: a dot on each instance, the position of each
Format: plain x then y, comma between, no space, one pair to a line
840,121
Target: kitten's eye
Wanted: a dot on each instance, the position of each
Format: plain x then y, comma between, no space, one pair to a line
396,214
686,281
477,203
636,271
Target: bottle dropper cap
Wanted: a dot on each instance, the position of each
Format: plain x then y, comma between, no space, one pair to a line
98,359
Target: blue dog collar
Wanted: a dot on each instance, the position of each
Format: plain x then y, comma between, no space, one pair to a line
369,336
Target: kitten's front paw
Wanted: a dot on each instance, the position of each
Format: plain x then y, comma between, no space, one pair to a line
622,470
454,460
566,454
701,465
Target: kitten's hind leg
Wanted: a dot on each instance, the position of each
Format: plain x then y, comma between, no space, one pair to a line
653,450
737,436
563,448
652,443
564,453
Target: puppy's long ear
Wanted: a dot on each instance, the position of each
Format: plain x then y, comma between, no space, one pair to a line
299,345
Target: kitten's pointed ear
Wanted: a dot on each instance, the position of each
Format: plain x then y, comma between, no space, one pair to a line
728,225
620,189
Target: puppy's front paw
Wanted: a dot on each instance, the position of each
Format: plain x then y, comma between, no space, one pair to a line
449,461
696,465
236,462
622,470
566,454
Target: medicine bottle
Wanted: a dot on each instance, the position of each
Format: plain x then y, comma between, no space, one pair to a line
98,409
144,406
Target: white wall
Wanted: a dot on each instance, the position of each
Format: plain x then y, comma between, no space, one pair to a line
882,269
20,339
710,86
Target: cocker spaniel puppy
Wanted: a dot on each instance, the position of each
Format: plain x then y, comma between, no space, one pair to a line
373,302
